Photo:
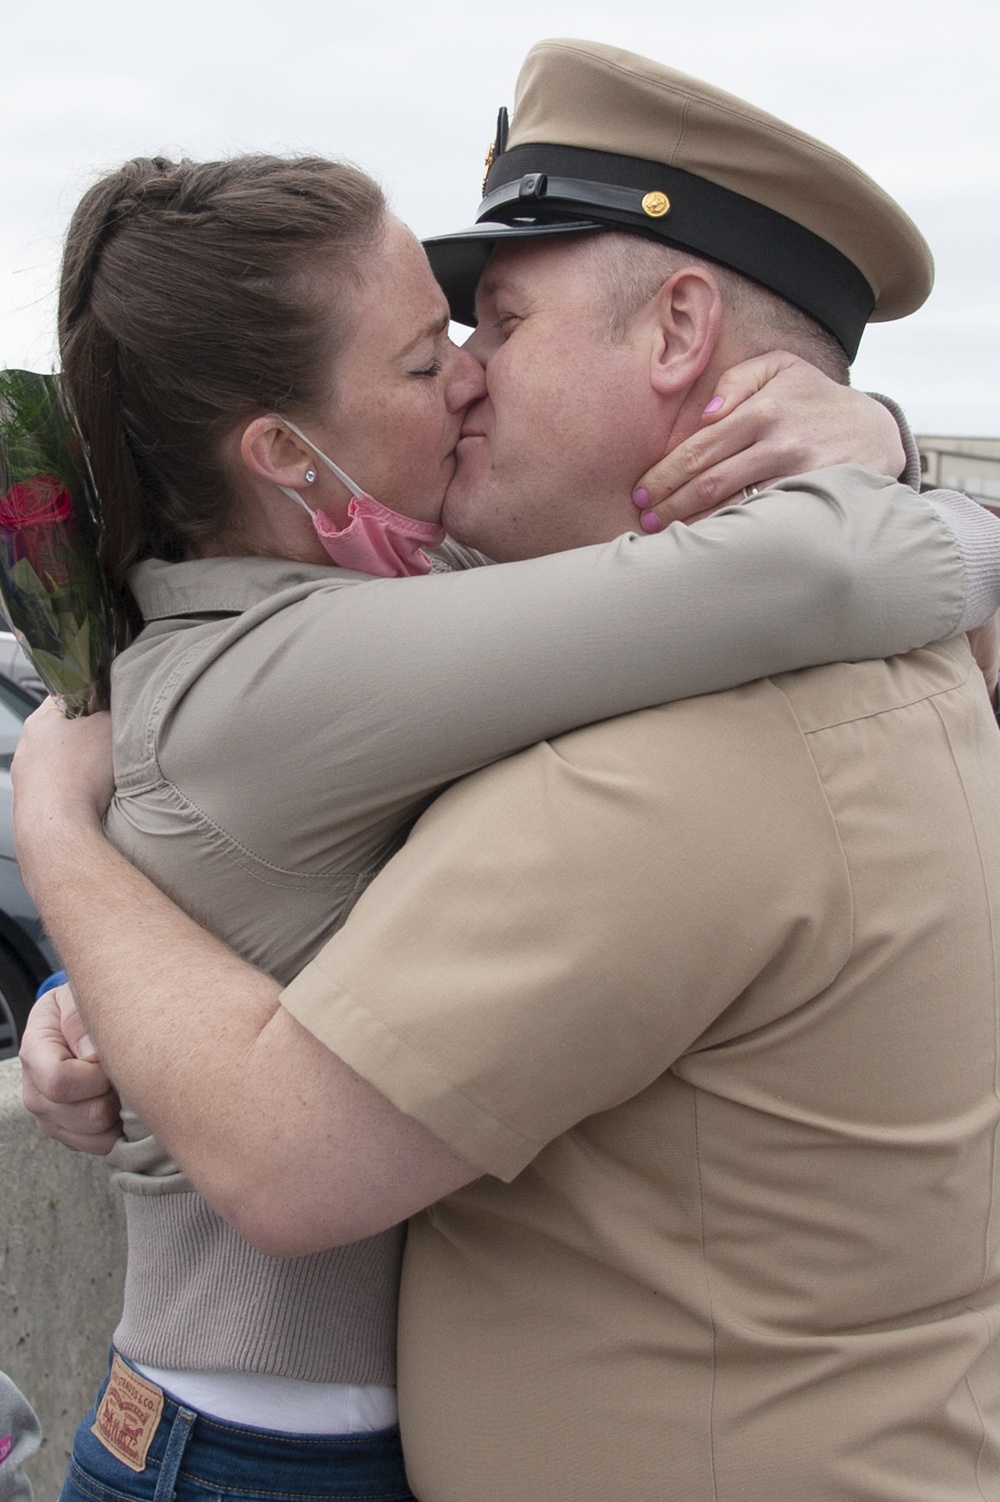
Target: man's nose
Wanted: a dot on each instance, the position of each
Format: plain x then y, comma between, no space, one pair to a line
468,380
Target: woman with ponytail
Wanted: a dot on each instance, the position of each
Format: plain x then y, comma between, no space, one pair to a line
240,339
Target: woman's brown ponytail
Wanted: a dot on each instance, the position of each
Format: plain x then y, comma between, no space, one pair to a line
194,297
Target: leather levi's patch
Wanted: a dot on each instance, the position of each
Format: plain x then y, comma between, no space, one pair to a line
128,1415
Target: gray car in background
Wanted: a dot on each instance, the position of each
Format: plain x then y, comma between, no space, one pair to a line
17,668
26,956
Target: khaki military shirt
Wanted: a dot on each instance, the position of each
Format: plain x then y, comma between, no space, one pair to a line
709,994
278,726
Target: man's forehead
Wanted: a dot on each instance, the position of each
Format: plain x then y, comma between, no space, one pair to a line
528,269
500,273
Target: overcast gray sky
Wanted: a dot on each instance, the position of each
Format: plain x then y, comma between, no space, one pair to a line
409,89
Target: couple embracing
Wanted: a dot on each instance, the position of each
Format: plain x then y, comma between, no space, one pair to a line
672,1038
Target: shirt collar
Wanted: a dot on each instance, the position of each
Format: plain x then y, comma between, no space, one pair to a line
218,586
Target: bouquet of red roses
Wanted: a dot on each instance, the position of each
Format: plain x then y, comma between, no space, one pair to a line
52,589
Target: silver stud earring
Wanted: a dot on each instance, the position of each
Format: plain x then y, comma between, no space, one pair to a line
309,476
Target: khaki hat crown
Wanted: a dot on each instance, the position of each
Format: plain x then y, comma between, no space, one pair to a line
605,139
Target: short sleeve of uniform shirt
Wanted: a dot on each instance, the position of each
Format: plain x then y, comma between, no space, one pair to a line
564,926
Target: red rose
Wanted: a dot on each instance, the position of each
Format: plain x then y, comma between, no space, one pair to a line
43,498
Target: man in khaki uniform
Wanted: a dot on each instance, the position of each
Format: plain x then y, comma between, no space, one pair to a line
698,1005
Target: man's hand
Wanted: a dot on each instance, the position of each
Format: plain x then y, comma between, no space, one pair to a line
65,1088
771,417
62,773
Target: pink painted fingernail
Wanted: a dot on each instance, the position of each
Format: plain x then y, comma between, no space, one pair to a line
641,498
714,405
649,521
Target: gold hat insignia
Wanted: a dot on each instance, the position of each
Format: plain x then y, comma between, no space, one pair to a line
656,205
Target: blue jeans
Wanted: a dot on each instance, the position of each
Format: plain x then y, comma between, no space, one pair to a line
194,1458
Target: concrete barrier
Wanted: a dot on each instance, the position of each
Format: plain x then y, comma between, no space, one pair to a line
62,1262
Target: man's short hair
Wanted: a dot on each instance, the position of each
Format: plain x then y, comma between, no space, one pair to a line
630,271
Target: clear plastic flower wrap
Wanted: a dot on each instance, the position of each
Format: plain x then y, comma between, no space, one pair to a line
52,590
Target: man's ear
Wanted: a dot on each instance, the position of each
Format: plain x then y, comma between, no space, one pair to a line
271,451
687,313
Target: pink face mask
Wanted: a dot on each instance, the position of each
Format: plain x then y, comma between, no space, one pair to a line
376,539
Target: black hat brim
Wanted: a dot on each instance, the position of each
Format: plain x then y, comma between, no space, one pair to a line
570,190
459,260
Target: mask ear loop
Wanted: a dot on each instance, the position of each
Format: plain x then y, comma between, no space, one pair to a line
344,478
293,495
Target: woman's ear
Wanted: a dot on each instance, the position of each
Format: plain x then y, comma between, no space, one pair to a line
271,451
687,314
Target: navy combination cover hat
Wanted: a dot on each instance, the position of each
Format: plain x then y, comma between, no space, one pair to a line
603,139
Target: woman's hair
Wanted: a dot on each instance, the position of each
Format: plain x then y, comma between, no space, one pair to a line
196,296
